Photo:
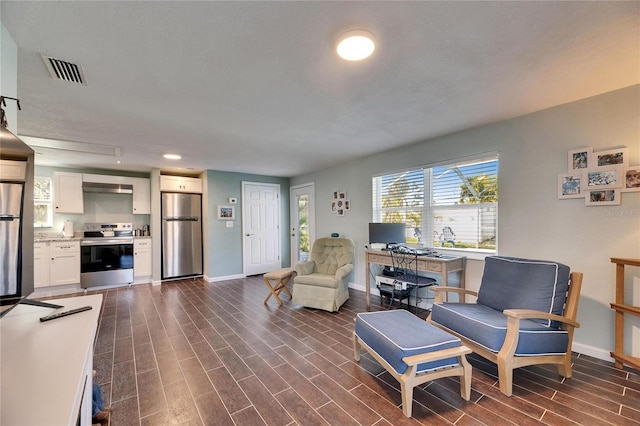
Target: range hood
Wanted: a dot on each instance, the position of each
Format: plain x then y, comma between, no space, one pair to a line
109,188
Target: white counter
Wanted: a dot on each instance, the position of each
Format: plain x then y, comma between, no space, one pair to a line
45,366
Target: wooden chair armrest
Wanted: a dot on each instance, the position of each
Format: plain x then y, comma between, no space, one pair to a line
435,356
442,291
532,314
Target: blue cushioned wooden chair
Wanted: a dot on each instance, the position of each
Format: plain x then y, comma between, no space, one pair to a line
525,314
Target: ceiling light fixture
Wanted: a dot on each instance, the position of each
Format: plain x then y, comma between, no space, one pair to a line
356,45
172,156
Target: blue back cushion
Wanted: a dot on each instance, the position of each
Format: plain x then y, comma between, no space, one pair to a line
513,283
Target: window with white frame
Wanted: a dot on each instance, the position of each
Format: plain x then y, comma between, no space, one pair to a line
445,206
42,202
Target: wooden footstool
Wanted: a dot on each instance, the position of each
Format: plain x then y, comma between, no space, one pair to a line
411,350
276,282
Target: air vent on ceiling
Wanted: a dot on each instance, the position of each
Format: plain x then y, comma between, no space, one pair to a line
65,70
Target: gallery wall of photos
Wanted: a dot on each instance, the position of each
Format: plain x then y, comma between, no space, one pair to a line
340,204
598,177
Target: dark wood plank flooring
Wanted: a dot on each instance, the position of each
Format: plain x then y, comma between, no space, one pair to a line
197,353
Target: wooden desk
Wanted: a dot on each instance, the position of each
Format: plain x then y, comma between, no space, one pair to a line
621,309
439,265
47,366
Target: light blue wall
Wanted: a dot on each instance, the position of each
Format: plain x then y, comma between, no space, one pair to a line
533,222
225,244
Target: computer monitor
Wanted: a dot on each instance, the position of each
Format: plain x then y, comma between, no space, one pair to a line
387,233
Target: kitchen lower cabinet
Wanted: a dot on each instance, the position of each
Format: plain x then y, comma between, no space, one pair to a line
41,262
56,263
142,258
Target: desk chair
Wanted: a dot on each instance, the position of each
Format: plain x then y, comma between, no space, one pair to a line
406,280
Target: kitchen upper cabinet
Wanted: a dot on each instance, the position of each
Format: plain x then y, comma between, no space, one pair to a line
142,258
56,263
180,184
141,196
67,193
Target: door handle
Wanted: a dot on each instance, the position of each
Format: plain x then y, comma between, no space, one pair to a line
248,235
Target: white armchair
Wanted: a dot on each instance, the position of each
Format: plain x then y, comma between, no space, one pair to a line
323,281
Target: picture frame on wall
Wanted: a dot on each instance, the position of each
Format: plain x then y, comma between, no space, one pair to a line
602,178
602,197
578,159
631,176
569,186
226,213
610,157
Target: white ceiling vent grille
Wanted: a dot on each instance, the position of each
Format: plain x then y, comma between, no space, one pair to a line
64,70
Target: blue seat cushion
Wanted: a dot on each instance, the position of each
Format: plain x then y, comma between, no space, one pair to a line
488,328
396,334
514,283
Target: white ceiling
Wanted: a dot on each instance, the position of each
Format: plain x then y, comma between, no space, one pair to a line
256,87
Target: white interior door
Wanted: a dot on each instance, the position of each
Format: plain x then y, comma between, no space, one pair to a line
302,213
261,227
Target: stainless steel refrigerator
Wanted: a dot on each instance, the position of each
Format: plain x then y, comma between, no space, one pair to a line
181,235
10,227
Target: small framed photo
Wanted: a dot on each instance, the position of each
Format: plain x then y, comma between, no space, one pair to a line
340,212
335,195
226,213
611,157
342,195
569,186
602,178
602,197
631,179
579,159
334,206
347,205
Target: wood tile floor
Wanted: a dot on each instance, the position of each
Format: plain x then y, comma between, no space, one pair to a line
197,353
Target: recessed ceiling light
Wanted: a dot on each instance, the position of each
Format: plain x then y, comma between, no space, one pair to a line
356,45
172,156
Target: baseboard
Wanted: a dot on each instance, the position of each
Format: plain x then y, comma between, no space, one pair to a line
592,351
224,278
363,289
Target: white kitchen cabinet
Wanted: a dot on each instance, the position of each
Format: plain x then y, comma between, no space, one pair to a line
67,193
56,263
141,196
180,184
142,258
13,170
41,262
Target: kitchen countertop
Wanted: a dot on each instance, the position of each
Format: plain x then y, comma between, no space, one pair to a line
53,238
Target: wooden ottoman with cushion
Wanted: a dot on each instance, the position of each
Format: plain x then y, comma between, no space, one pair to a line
411,350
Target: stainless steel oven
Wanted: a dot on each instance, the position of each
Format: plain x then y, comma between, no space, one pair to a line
106,255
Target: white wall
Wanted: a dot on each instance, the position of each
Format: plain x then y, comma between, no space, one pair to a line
9,76
532,221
